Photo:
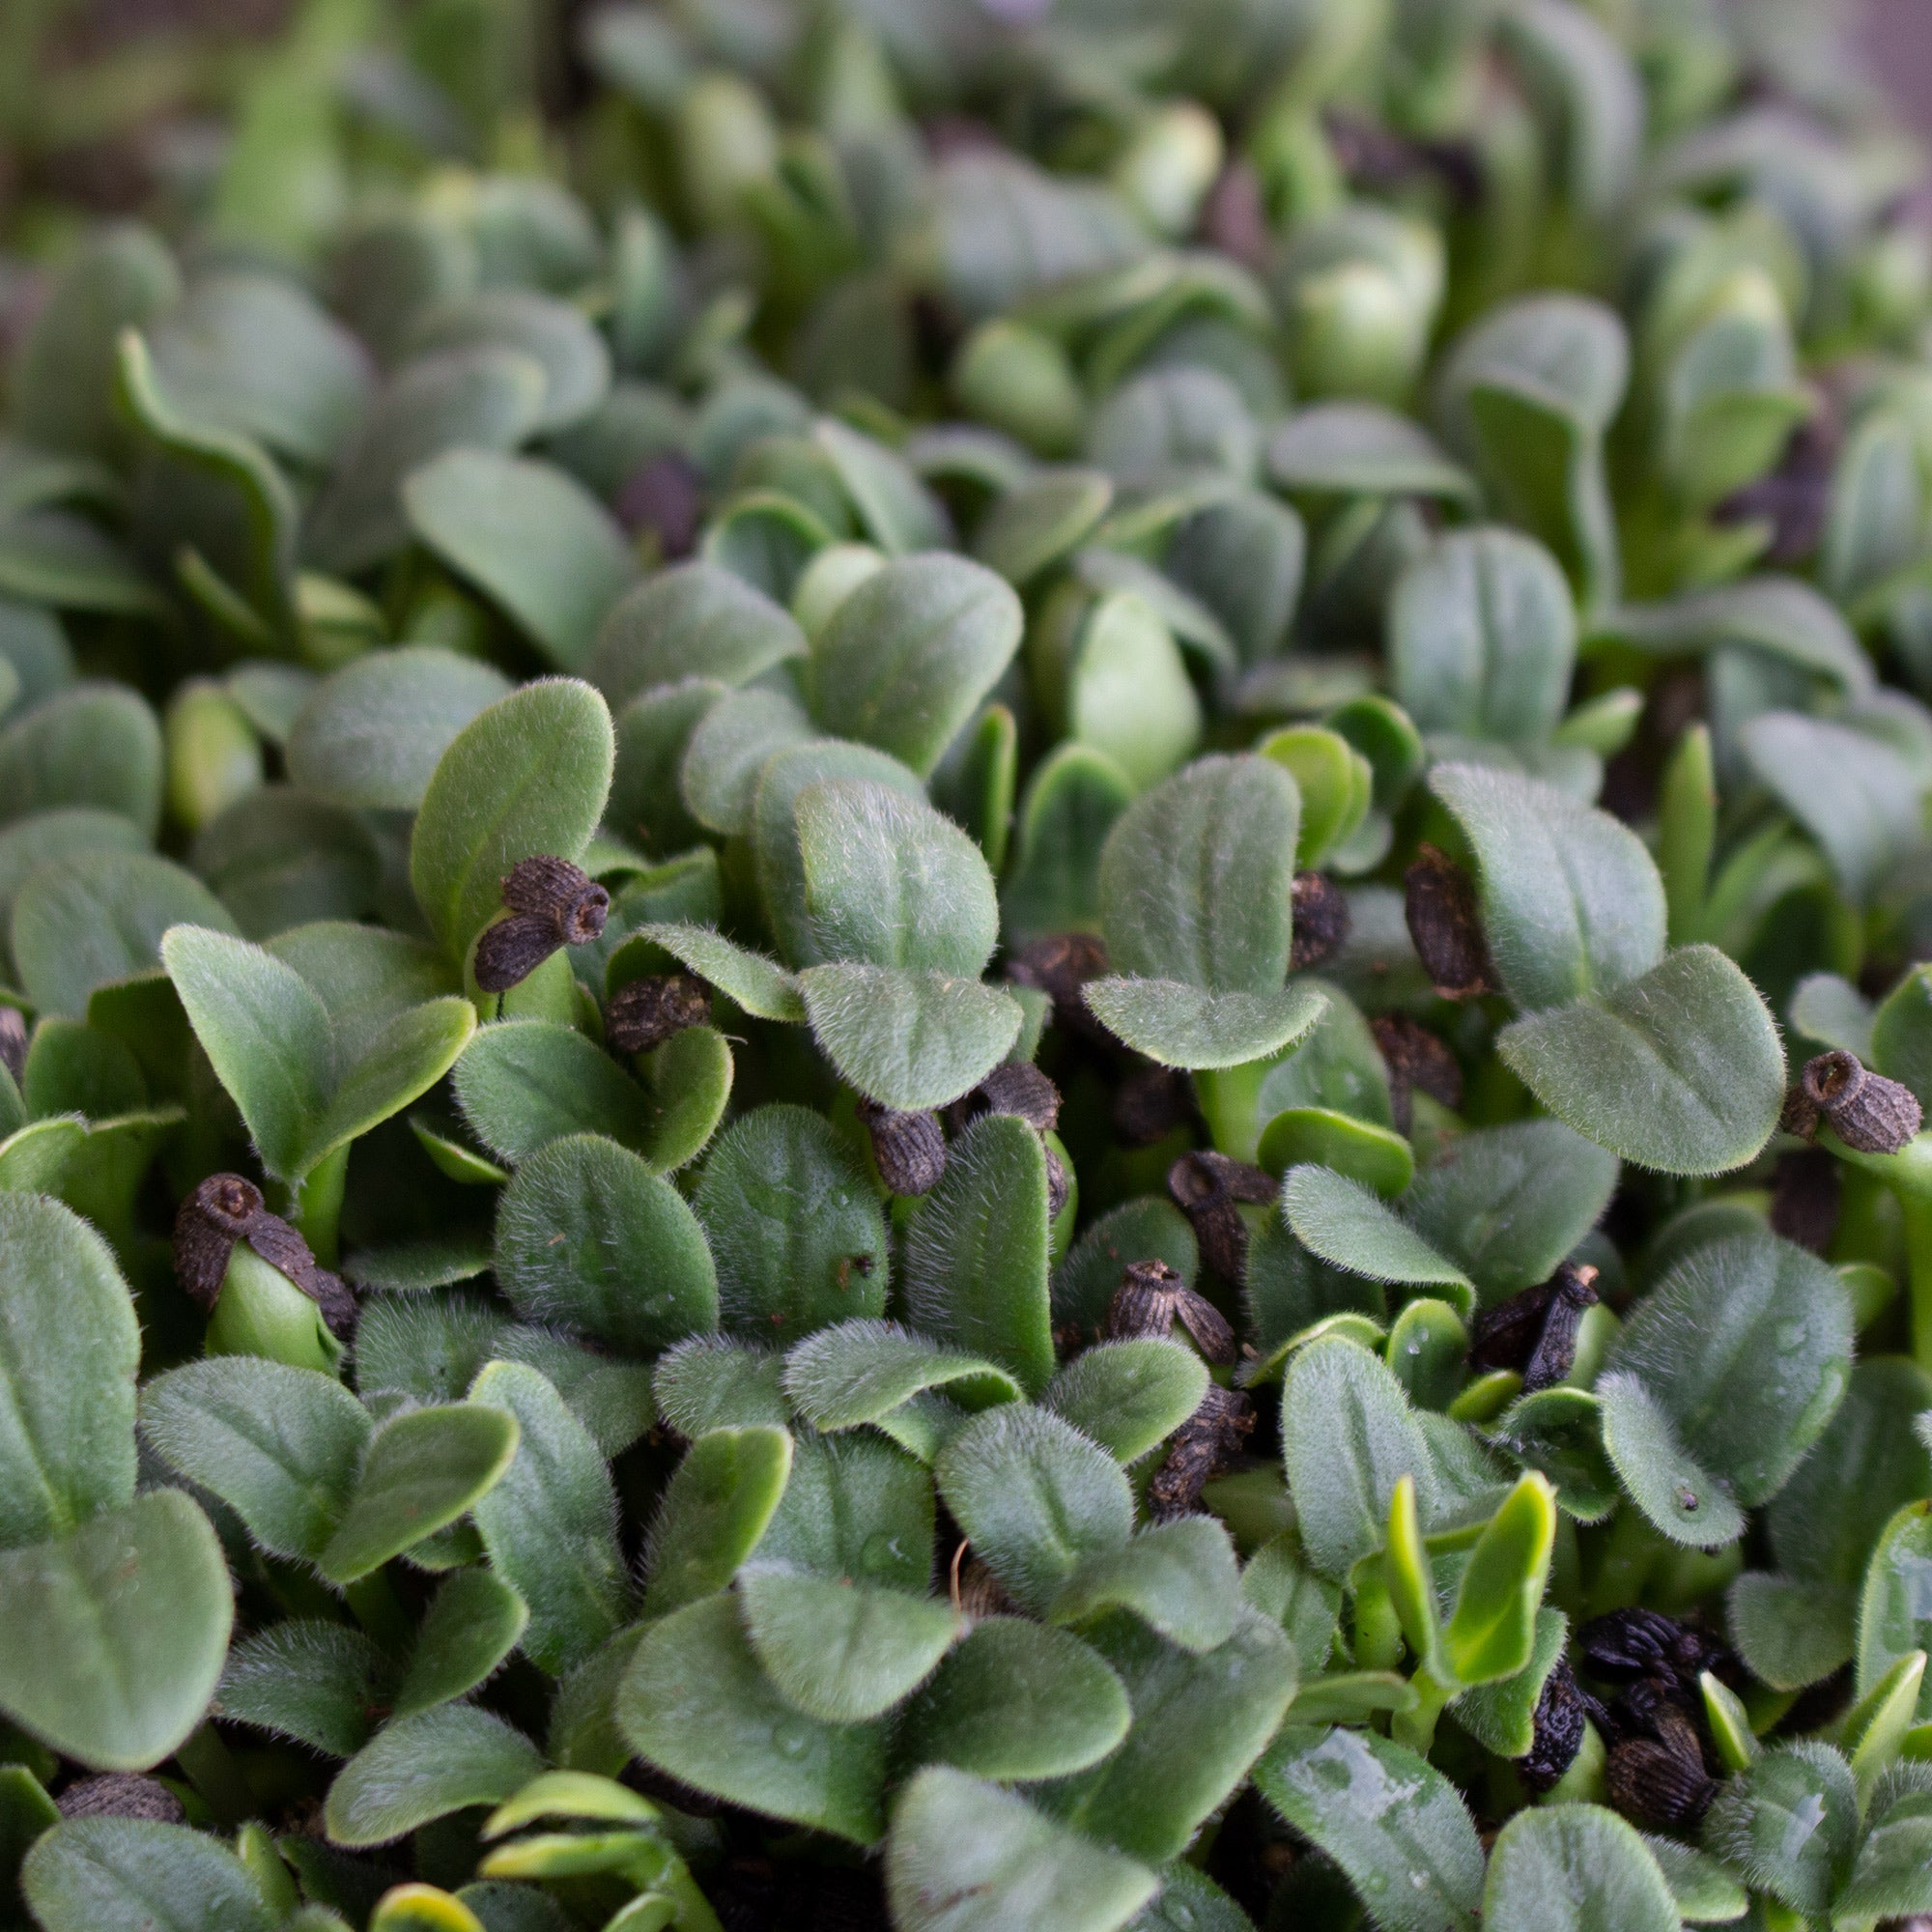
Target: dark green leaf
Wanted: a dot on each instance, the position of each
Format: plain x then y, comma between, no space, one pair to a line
716,1510
1574,1868
133,1874
423,1768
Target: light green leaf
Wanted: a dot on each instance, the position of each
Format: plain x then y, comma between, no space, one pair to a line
280,1446
890,882
1492,1631
696,1703
1180,1025
837,1651
423,1468
760,986
908,656
694,620
528,776
1349,1228
550,1523
70,1346
1128,1396
587,1235
423,1768
1678,1070
909,1040
1389,1819
718,1506
1017,1701
967,1856
976,1253
1574,1868
1348,1437
535,541
1180,1579
1788,1825
1034,1496
522,1084
133,1874
132,1613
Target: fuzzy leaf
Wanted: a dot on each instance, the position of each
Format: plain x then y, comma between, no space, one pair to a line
714,1513
423,1768
1179,1579
132,1874
910,1040
1574,1868
841,1652
1128,1396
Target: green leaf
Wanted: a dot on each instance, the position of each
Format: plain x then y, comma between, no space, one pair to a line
862,1370
1788,1825
1858,798
1900,1046
533,540
793,1227
1200,1722
1742,1353
476,398
550,1524
1015,1700
472,1624
412,1053
910,1040
694,1702
369,737
1894,1614
1560,1431
839,1652
318,1683
99,916
280,1446
706,1383
1034,1496
1492,1631
1180,1025
891,882
1074,796
1128,1396
761,986
1572,903
1502,1717
574,1229
522,1084
898,512
1483,638
1680,1070
68,1351
1348,1437
1127,693
1892,1874
694,620
94,745
132,1613
1347,1227
1197,878
554,334
718,776
1690,1503
423,1468
528,776
967,1856
1352,448
1040,521
718,1506
1791,1630
1389,1819
133,1874
976,1253
1179,1579
1509,1202
1574,1868
909,654
422,1767
856,1506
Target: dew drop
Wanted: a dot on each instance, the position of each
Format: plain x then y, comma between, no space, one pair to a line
791,1737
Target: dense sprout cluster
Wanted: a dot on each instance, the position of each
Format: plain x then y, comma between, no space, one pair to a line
960,973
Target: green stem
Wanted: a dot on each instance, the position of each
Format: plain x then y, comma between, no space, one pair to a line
314,1205
1624,1562
1378,1631
206,1765
1917,1213
1416,1729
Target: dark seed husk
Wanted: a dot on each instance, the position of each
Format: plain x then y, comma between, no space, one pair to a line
565,895
1060,966
1321,920
1152,1298
909,1149
1417,1062
1439,904
1535,1331
1804,1193
646,1012
1206,1187
509,951
226,1208
1150,1104
1656,1786
1201,1448
121,1794
1561,1715
1869,1113
1019,1088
